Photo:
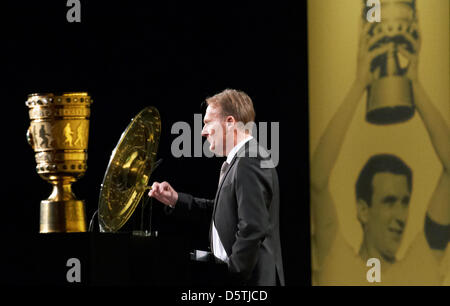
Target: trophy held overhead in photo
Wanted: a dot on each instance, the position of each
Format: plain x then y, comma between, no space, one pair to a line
390,98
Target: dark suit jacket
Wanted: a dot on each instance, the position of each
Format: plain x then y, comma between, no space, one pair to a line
246,216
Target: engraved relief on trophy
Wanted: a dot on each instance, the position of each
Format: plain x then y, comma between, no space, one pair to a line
45,137
68,135
80,135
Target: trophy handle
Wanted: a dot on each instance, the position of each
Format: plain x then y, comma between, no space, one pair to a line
30,138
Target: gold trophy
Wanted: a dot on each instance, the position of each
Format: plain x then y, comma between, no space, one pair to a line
58,134
389,96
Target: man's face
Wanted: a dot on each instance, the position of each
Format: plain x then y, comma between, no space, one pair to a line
214,130
388,212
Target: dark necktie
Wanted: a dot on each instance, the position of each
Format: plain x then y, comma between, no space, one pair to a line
223,169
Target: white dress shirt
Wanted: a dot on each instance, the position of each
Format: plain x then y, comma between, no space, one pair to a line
218,248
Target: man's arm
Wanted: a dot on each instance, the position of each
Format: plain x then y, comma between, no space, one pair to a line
324,158
184,202
323,209
187,203
439,134
437,223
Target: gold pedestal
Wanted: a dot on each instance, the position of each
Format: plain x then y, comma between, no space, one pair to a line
62,216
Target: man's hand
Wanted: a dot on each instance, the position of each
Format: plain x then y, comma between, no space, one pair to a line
364,75
164,193
413,59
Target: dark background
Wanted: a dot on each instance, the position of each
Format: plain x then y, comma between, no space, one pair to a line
172,55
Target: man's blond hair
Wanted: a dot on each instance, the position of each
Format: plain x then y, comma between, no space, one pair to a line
234,103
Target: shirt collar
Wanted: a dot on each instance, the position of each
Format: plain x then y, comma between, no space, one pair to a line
236,149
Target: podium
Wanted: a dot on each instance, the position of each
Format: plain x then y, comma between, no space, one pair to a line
90,259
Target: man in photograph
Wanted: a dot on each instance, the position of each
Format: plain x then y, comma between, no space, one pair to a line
383,192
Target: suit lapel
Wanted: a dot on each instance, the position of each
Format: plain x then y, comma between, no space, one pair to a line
238,153
220,185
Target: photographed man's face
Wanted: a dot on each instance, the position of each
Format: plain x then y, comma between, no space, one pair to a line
388,213
214,129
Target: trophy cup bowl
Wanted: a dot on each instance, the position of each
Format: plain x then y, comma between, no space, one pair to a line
389,97
390,100
58,134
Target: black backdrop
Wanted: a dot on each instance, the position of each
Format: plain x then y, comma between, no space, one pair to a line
172,55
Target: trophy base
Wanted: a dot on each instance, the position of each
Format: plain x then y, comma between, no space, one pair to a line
390,100
62,216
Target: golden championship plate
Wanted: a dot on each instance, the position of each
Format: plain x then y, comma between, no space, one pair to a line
58,134
131,164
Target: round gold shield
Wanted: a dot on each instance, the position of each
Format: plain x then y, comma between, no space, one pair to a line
129,170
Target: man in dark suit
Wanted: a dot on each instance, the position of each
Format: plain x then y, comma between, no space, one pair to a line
244,230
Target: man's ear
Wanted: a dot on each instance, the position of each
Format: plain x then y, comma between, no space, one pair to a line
229,121
362,211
